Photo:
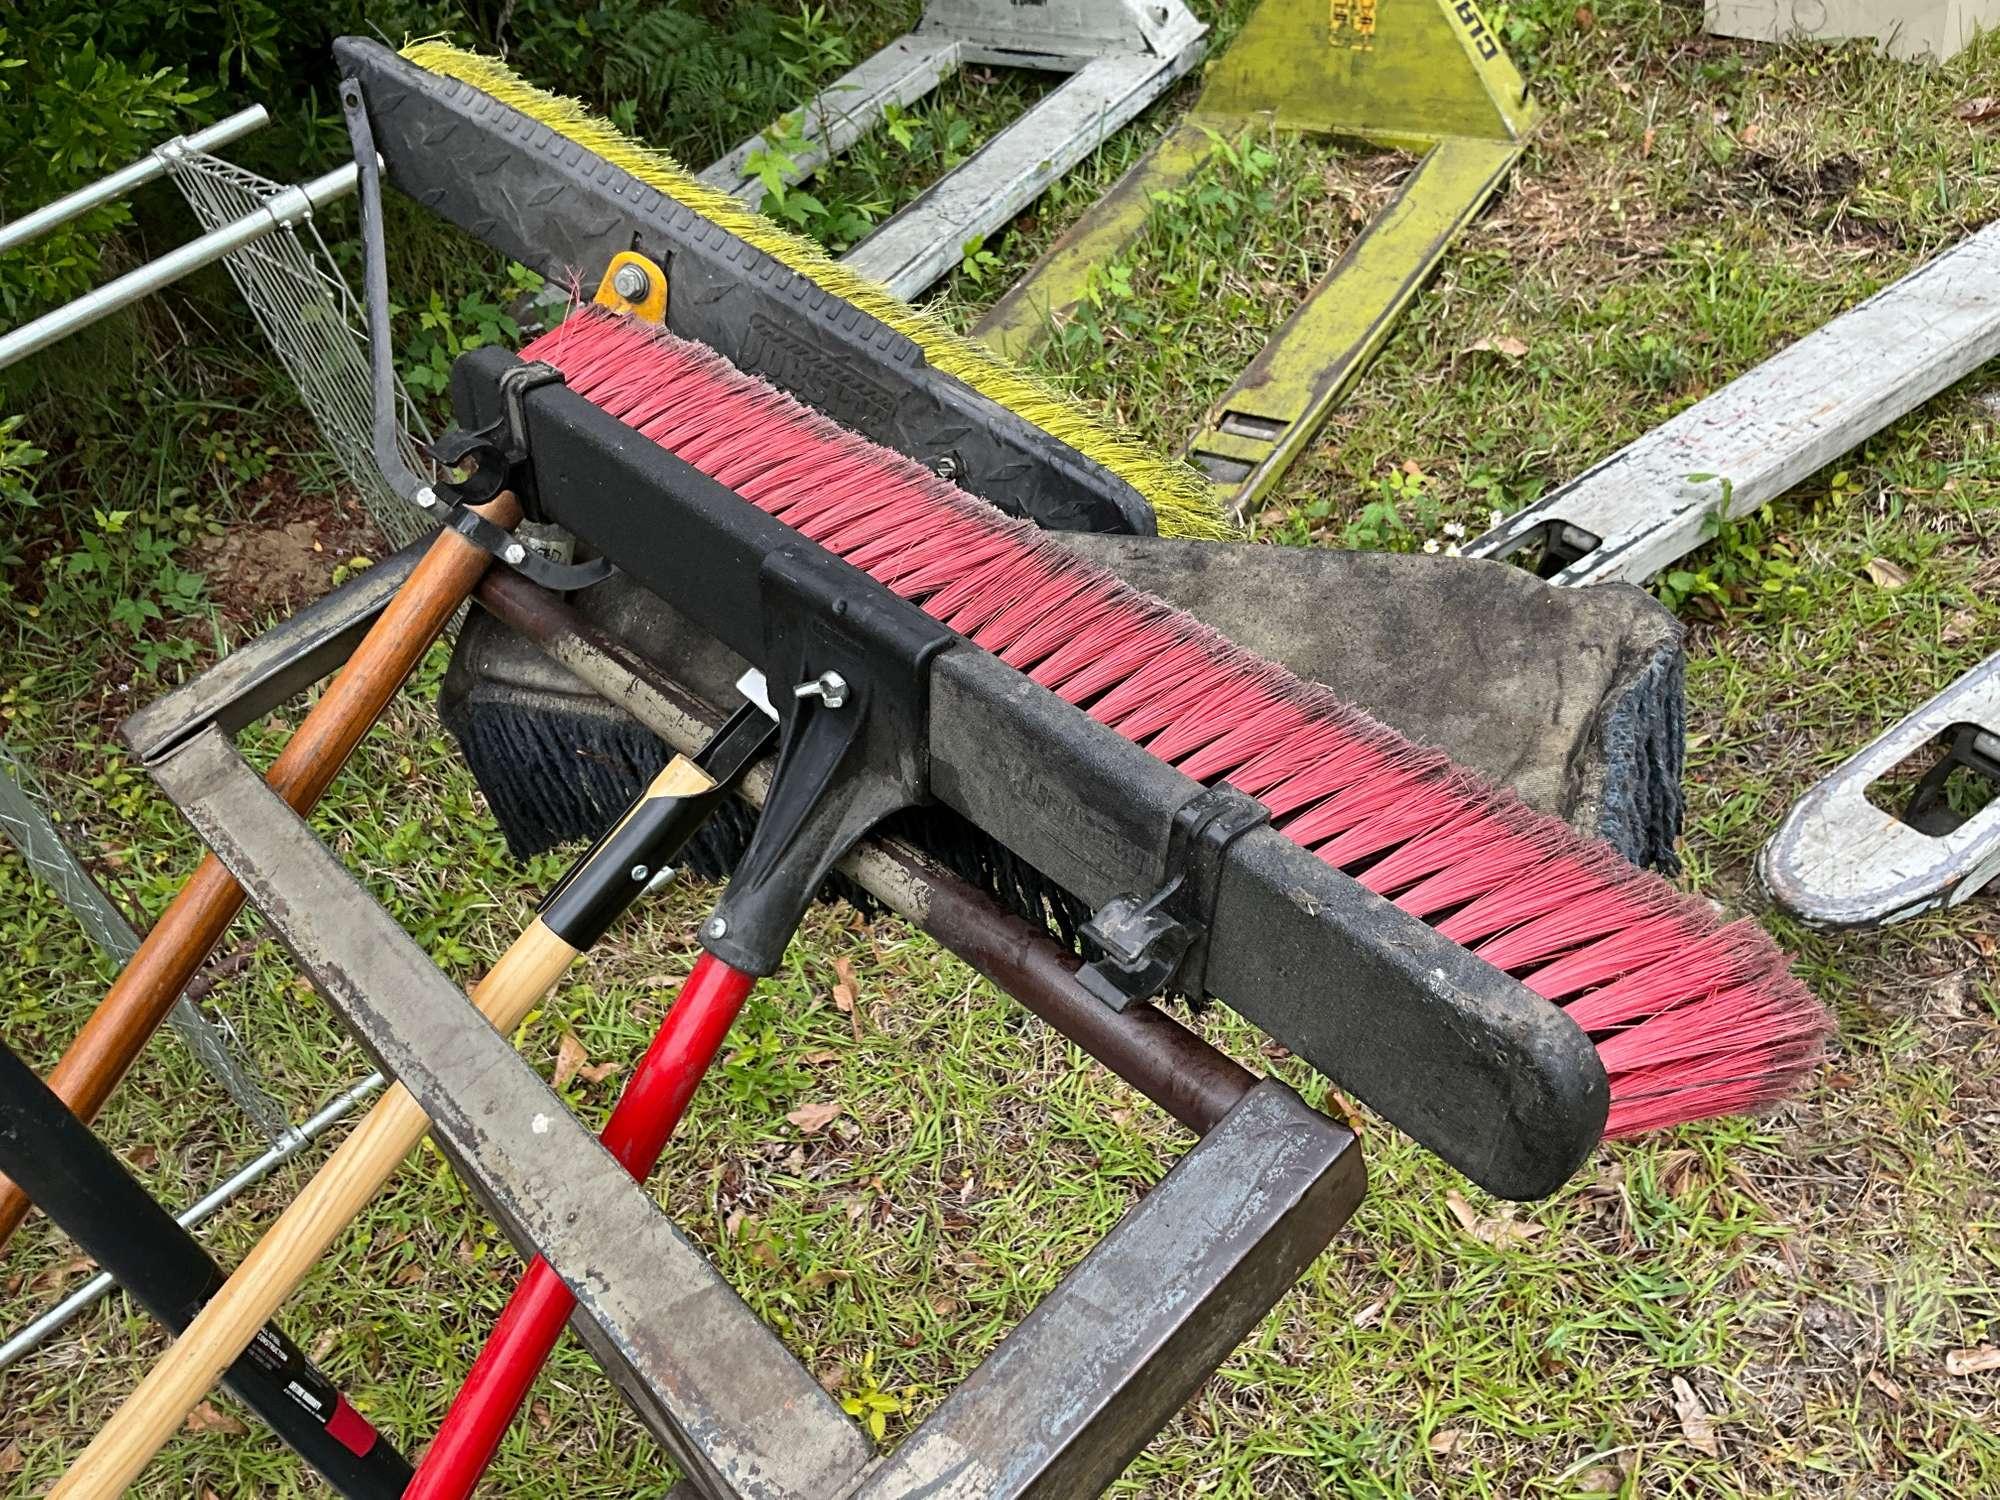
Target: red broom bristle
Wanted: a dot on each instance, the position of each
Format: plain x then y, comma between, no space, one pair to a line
1691,1018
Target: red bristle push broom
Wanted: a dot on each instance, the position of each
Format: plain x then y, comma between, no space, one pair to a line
1691,1018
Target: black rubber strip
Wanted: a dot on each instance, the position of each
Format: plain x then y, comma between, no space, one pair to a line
542,199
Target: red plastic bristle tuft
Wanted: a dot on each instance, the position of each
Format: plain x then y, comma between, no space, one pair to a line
1691,1018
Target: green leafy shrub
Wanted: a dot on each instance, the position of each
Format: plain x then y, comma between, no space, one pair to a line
68,114
446,330
97,531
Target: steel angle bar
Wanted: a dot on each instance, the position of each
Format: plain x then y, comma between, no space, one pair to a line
1074,1393
1070,1396
285,660
713,1383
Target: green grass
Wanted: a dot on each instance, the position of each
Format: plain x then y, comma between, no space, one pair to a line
1688,207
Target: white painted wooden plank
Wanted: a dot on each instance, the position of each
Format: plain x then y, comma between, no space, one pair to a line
1775,426
915,247
844,111
1935,29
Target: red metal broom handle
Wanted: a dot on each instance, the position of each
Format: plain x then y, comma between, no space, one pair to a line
637,1132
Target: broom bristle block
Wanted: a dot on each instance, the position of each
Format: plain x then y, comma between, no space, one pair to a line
1183,502
1692,1018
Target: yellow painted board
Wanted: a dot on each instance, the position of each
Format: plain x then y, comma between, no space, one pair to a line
1399,73
1276,405
1058,281
1421,75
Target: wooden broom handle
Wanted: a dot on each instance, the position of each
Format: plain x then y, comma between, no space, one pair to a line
331,1201
188,930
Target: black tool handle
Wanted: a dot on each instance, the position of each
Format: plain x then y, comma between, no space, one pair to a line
74,1178
635,851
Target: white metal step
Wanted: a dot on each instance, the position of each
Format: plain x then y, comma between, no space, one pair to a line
927,238
844,111
1644,507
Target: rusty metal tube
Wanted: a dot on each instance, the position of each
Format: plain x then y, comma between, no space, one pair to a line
1158,1056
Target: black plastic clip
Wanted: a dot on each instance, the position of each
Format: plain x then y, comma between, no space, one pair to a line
500,451
497,454
848,669
638,850
1153,943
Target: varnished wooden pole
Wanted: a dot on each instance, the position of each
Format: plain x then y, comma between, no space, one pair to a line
187,932
331,1201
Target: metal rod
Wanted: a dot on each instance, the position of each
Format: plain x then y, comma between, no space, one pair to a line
217,1197
385,431
35,834
1165,1061
288,207
155,163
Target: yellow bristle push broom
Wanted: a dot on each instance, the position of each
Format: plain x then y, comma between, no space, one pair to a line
1181,499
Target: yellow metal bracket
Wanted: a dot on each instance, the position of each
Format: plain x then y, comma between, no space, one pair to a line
1427,76
633,284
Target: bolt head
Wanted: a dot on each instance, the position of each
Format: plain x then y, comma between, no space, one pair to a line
515,553
829,687
631,283
717,927
640,872
832,689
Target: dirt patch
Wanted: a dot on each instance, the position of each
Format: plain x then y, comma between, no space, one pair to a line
284,551
268,565
1801,184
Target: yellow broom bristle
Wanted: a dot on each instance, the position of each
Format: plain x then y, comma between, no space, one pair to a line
1182,501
